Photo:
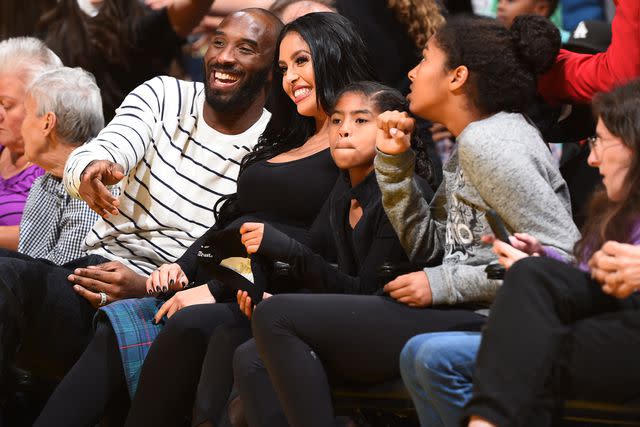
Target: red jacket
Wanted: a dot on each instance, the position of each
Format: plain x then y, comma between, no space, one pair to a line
576,78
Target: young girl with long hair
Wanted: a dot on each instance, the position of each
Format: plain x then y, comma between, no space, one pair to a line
475,77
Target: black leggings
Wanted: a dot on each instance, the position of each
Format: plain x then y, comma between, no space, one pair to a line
169,376
310,341
552,329
94,386
172,368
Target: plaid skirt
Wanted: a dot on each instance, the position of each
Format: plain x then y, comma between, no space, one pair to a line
132,321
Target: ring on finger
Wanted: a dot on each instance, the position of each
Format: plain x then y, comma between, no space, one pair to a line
103,299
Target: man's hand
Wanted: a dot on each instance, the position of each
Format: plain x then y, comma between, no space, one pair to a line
252,233
93,181
617,267
113,278
166,277
412,289
394,132
198,295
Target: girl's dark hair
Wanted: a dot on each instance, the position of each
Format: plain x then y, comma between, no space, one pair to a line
95,43
619,110
503,63
339,58
385,98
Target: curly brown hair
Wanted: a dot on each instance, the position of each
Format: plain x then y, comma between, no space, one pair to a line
421,17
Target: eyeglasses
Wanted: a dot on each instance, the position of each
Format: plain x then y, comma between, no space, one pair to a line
595,145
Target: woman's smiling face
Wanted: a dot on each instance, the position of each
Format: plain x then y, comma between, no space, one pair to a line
298,78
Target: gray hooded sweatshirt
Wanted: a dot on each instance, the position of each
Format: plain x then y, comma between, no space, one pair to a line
500,163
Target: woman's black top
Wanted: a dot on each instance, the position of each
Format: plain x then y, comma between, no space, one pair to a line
361,251
289,195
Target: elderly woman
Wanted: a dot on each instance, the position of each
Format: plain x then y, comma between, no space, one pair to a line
63,110
21,60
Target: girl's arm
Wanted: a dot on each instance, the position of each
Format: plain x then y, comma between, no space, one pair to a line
312,269
420,234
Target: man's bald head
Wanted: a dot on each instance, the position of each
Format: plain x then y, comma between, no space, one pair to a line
270,23
240,58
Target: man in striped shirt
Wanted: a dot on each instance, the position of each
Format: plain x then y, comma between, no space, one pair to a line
173,148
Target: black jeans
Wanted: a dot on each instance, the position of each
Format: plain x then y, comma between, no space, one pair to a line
553,331
308,342
42,314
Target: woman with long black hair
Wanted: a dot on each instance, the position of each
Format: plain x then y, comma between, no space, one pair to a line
285,180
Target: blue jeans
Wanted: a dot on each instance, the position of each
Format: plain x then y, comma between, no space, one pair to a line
437,369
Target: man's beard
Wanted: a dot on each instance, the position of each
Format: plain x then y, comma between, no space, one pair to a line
243,95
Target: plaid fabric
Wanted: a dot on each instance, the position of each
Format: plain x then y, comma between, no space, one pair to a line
132,321
54,224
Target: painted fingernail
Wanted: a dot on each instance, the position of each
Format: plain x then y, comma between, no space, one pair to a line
158,289
165,289
171,282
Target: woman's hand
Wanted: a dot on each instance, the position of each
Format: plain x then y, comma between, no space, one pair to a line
617,267
507,254
394,132
252,233
412,289
166,277
198,295
527,244
244,301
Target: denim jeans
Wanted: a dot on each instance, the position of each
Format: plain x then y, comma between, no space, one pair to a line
437,369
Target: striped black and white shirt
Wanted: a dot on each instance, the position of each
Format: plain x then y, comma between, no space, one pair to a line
54,224
176,168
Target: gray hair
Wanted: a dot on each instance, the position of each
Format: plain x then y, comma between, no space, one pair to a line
73,96
27,57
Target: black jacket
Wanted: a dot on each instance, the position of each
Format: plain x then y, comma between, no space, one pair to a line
360,252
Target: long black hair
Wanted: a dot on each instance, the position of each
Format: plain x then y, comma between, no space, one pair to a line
339,58
385,98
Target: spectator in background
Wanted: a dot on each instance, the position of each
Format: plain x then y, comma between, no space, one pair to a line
576,11
19,18
21,60
119,41
63,110
288,10
509,9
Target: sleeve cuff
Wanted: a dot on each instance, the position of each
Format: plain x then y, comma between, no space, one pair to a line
394,165
440,294
72,174
217,289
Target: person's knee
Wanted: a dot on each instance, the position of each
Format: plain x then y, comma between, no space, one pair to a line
446,356
184,325
269,315
408,356
246,363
